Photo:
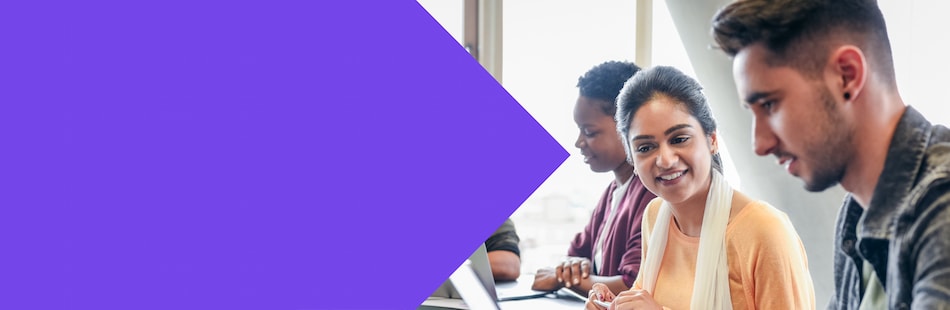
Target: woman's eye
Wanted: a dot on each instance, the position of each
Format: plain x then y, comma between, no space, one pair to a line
679,140
644,148
768,104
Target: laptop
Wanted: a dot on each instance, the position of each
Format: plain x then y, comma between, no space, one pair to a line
472,286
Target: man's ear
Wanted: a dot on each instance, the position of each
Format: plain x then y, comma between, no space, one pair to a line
849,67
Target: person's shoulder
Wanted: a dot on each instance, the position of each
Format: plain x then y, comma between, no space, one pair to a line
927,168
760,223
637,195
636,185
937,153
602,205
940,133
933,185
652,210
507,226
609,188
761,212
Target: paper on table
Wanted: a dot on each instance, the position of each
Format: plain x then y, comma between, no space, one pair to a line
574,294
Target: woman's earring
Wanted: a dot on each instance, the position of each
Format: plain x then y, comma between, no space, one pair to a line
847,96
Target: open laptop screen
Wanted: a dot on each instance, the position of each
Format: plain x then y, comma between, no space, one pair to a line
471,286
482,269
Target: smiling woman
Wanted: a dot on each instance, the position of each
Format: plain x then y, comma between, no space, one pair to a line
718,248
671,151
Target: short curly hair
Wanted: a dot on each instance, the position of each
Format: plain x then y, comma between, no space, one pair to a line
799,33
604,82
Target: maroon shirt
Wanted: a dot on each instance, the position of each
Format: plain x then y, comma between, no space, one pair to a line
622,244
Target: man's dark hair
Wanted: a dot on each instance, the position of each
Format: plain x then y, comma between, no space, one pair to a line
800,33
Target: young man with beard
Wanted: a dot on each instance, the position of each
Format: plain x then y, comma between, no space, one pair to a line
818,78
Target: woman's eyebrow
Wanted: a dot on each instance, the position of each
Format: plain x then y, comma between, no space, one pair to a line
675,128
667,132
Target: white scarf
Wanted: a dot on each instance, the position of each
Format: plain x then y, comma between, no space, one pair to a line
711,281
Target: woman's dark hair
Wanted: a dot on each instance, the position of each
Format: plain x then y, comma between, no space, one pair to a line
670,82
604,82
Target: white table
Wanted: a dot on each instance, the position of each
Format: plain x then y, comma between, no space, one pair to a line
549,301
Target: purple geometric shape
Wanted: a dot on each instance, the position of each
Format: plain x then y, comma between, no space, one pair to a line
305,155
